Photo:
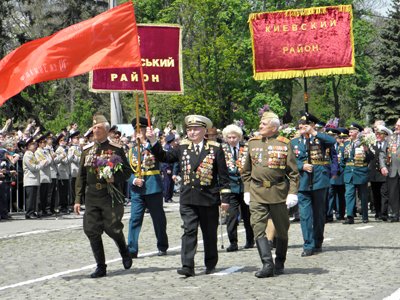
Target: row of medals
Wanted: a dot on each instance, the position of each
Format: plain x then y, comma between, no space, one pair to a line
276,156
203,172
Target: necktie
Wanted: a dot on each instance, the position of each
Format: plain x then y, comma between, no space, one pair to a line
234,154
197,149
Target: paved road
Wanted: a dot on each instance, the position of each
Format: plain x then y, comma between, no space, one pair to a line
51,259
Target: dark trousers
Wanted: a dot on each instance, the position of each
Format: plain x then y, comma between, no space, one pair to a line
168,186
4,198
154,203
394,197
43,196
312,217
336,202
380,195
72,192
30,199
351,195
63,188
207,218
235,204
52,196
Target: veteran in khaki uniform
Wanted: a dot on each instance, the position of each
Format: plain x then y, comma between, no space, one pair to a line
205,177
271,181
102,213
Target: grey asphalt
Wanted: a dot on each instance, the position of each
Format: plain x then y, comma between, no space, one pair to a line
51,259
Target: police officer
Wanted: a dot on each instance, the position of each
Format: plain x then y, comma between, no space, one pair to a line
313,164
205,177
355,162
271,181
103,213
234,152
146,193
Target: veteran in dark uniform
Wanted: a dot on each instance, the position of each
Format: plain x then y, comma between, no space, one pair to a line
146,192
313,164
355,163
271,181
103,213
205,180
235,152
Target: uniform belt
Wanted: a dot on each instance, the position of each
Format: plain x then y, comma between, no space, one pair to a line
356,164
98,186
320,162
149,173
267,183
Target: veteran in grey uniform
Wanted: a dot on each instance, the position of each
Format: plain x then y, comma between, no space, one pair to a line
103,213
205,177
271,181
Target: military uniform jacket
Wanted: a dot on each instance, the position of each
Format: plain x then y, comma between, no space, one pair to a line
205,176
269,170
53,165
375,174
355,163
390,157
150,171
320,160
235,167
45,172
31,167
339,179
88,179
62,162
74,157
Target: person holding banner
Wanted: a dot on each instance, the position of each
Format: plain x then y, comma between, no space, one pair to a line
146,191
205,180
313,163
271,180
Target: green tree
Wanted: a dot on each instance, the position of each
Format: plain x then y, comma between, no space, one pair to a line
384,99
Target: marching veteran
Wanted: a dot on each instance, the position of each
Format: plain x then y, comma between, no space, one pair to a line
104,199
271,181
314,164
146,187
205,178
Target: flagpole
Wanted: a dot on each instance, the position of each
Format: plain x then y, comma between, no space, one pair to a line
139,155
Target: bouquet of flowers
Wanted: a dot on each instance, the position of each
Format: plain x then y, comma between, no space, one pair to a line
287,131
105,166
368,139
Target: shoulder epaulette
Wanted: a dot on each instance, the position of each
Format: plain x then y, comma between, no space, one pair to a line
88,146
185,142
283,139
115,145
259,137
213,143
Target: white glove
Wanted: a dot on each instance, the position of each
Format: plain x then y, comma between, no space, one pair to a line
291,200
246,198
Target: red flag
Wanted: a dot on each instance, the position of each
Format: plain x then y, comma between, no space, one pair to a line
108,40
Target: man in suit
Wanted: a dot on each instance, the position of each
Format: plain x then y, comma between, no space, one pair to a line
313,164
271,180
390,167
355,163
146,192
234,152
378,181
205,179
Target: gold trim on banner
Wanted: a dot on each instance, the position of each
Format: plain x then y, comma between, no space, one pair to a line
304,73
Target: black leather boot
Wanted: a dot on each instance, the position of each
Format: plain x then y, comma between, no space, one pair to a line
264,249
281,250
98,252
126,256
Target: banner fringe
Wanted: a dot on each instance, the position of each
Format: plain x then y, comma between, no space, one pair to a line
303,73
303,11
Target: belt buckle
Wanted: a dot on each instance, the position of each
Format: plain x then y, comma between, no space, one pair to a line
266,184
98,186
